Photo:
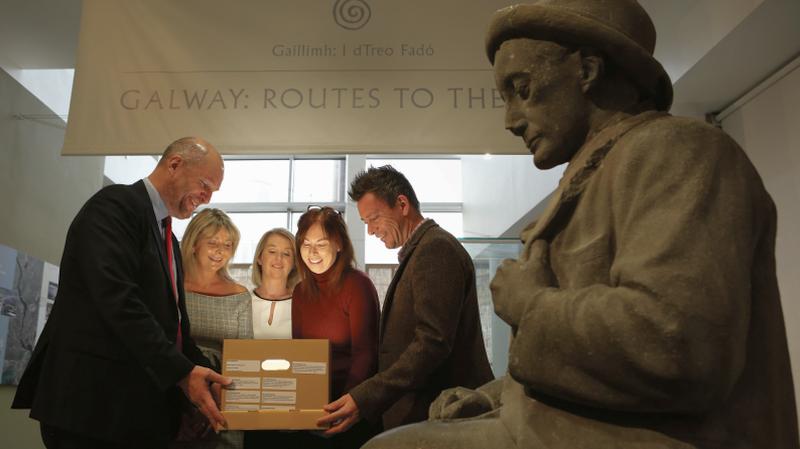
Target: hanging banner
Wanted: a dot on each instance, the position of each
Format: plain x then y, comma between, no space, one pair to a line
287,77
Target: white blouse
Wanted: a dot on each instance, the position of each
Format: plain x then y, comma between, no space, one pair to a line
272,318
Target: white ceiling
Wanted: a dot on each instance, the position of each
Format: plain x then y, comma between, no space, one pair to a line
715,51
39,34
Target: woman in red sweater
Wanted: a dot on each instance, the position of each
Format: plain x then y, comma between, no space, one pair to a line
337,302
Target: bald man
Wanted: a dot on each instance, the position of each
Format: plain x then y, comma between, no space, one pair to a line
116,353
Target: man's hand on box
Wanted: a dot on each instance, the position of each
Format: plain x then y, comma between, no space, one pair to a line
343,414
202,387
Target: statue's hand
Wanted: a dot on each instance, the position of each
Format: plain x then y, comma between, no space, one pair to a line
459,402
516,281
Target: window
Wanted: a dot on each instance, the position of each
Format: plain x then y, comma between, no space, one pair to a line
255,181
318,181
261,194
252,225
434,180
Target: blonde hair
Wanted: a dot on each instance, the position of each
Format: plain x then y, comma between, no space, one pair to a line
204,224
294,275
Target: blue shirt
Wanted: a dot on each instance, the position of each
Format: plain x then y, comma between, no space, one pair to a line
161,212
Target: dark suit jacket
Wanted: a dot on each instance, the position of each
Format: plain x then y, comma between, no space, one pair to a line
106,364
430,336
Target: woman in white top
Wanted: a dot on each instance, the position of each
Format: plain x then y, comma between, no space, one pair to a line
274,275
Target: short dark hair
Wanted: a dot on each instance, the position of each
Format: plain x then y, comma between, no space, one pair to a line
384,182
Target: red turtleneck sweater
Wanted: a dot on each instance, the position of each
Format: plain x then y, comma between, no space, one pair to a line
349,319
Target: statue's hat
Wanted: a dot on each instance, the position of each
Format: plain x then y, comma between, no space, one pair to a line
621,29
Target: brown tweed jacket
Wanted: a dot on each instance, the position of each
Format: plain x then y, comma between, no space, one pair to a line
430,335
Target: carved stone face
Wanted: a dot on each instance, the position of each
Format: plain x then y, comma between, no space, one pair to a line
546,106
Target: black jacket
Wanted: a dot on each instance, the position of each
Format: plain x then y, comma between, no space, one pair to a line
106,365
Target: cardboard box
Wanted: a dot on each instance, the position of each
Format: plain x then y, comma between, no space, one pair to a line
277,384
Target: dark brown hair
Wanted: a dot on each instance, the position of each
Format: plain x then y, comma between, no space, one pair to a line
384,182
335,230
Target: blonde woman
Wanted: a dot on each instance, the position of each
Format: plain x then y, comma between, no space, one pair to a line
217,306
274,275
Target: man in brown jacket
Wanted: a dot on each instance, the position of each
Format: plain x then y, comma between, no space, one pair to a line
644,306
430,331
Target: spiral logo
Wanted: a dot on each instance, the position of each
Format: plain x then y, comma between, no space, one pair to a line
351,14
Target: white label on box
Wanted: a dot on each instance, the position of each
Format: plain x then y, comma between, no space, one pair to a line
275,365
279,397
244,366
244,383
240,407
241,396
309,367
279,383
277,407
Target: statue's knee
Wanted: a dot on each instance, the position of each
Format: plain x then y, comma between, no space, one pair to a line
431,435
385,440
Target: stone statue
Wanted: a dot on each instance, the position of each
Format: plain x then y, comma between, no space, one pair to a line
644,306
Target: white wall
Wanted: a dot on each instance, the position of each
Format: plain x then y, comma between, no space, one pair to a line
688,29
53,87
40,193
499,190
128,169
355,227
767,128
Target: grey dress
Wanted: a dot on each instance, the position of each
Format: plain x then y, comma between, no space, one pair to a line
213,319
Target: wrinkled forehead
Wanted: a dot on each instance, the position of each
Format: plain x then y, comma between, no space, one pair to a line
371,203
211,168
524,55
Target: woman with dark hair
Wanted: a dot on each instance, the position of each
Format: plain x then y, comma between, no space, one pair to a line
335,301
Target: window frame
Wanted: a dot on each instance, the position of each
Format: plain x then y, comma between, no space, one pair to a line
287,207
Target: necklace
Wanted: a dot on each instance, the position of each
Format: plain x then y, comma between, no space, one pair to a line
267,298
273,302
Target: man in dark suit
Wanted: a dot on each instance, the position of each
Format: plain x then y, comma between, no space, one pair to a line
430,330
116,351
